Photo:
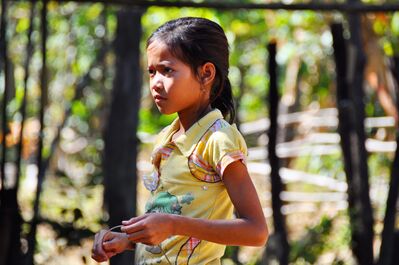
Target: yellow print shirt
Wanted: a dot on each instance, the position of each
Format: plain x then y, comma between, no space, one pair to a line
187,180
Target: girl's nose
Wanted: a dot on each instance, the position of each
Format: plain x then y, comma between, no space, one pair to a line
157,86
156,83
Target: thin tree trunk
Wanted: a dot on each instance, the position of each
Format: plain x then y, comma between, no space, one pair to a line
278,243
121,143
243,72
345,111
4,65
10,218
364,233
351,129
28,57
41,172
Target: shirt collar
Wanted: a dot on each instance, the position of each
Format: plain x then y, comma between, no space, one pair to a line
187,141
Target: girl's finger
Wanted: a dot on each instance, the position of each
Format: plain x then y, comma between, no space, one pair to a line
108,236
133,220
137,237
109,246
132,228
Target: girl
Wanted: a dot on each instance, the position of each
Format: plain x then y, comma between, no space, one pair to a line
199,160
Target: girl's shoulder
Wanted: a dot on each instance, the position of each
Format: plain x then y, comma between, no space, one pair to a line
222,131
221,145
221,138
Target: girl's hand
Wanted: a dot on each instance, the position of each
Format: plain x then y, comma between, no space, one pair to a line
149,229
97,252
115,243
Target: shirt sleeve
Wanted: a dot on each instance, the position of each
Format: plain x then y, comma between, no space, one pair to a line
225,147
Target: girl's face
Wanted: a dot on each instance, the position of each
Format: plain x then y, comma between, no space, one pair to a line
173,85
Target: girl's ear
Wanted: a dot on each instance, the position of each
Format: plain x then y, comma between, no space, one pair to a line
207,74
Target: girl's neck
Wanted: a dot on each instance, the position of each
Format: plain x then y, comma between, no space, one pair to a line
186,120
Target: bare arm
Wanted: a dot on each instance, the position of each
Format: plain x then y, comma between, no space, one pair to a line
248,229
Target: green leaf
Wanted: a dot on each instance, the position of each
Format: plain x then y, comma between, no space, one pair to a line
94,11
22,25
79,109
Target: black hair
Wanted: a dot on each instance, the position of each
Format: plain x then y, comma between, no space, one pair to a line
196,41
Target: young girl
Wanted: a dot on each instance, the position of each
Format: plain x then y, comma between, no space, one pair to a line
199,160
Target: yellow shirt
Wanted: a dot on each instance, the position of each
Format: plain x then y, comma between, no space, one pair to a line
187,180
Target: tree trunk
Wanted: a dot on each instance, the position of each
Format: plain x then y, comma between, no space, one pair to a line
39,160
10,218
278,247
121,143
363,229
241,91
4,67
351,130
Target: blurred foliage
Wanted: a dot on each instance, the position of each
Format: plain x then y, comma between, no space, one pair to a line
72,197
329,235
313,243
331,165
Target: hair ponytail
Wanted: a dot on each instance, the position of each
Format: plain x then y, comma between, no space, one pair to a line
224,101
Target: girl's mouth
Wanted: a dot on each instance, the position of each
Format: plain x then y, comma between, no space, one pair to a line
158,98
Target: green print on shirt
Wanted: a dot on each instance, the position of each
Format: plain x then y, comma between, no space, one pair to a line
164,202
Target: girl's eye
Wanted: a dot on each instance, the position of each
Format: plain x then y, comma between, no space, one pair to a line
151,72
168,70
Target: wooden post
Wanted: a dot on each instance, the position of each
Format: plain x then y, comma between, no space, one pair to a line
278,243
121,143
351,130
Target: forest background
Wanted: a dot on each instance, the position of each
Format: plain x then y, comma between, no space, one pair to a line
80,114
